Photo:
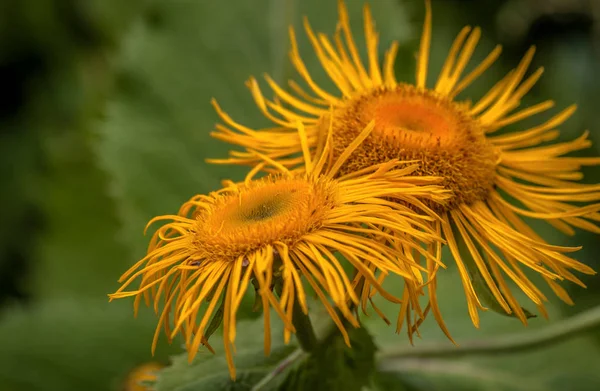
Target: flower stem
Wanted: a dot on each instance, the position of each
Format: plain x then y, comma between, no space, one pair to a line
305,332
510,343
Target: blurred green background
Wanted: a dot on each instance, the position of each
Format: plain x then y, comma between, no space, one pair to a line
104,123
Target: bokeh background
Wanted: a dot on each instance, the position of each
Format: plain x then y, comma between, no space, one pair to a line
104,122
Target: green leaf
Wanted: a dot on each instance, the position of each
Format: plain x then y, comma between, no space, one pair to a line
334,365
209,372
572,362
215,321
178,56
76,345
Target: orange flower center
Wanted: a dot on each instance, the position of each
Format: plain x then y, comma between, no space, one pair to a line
416,124
275,209
415,118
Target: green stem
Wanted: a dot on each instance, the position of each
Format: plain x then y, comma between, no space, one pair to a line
298,354
305,333
510,343
304,330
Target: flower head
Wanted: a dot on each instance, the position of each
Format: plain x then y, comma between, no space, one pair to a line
450,138
277,231
140,374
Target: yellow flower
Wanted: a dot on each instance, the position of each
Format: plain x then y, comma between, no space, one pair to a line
274,232
451,138
143,373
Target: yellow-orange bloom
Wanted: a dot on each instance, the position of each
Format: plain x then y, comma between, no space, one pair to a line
140,374
276,231
451,138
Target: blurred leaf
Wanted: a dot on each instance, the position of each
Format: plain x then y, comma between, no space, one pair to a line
334,365
74,345
58,219
440,375
179,55
209,372
20,170
388,381
78,251
571,364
